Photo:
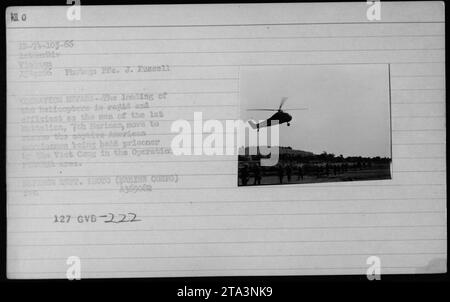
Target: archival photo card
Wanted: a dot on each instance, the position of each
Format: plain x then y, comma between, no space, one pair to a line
332,123
121,154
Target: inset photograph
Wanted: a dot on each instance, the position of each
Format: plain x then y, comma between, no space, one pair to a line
334,123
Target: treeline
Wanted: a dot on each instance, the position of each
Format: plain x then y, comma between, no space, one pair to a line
324,157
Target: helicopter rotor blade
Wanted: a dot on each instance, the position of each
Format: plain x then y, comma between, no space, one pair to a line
283,100
257,109
294,109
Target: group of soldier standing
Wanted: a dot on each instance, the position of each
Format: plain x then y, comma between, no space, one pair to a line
287,173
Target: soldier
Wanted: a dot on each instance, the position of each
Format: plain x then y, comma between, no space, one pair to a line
280,173
289,172
257,174
244,175
300,172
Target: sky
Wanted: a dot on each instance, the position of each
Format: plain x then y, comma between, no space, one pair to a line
348,106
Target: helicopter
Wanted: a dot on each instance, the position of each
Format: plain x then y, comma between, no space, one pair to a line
280,116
